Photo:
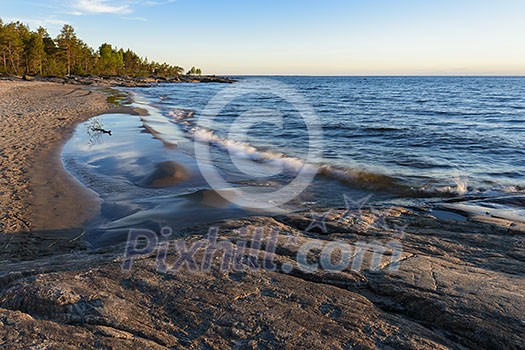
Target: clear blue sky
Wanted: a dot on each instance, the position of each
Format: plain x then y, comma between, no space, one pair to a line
317,37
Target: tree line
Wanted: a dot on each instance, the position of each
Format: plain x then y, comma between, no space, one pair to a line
23,51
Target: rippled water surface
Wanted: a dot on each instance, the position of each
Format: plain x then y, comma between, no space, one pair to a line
395,137
425,133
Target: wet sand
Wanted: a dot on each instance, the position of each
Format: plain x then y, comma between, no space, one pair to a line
36,118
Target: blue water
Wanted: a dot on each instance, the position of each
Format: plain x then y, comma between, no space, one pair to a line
434,133
408,139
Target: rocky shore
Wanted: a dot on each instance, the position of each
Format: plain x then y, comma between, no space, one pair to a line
459,285
123,81
412,280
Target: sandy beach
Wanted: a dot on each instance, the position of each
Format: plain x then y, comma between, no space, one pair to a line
36,117
459,283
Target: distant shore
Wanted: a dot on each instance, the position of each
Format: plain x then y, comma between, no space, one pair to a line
121,81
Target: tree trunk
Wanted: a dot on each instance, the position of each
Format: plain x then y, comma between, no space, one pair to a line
5,62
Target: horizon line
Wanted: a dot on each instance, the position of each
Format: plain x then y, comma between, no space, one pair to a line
375,75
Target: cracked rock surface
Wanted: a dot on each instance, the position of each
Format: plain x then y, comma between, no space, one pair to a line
459,285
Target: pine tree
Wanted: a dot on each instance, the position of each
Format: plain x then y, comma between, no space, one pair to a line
26,52
67,43
34,52
12,39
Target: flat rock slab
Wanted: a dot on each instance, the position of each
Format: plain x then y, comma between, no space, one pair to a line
459,285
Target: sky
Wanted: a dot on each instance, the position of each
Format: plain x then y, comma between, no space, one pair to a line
299,37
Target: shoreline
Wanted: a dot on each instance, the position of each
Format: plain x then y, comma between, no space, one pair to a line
459,283
59,195
37,119
122,81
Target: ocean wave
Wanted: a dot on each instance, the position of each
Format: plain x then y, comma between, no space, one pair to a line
245,150
355,177
460,187
233,147
374,181
360,178
513,189
181,114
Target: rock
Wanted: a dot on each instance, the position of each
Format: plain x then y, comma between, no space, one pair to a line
125,81
205,79
166,174
459,285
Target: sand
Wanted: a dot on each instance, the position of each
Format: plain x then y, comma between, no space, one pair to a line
35,118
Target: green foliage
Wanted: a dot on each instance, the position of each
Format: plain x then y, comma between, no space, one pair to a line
194,71
34,52
118,98
110,62
12,38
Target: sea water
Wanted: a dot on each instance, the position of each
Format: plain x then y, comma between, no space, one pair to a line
407,139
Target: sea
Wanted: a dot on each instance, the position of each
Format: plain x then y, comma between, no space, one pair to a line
269,145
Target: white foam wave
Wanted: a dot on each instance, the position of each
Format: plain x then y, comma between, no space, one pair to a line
513,189
356,177
247,151
235,148
181,114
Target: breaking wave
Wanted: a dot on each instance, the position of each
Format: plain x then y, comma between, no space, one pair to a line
354,177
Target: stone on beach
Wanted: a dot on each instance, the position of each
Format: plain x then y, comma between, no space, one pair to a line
166,174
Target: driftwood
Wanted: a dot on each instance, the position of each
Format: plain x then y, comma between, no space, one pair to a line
102,130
